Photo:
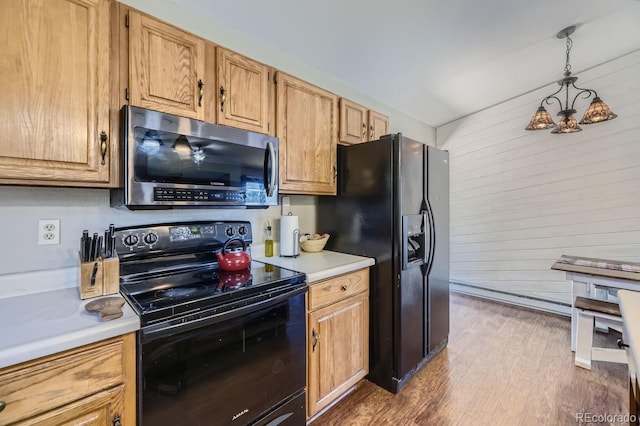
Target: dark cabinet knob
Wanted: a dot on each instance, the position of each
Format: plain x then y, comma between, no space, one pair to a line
315,336
223,98
201,92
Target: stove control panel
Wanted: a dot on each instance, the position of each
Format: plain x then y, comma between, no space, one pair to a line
138,240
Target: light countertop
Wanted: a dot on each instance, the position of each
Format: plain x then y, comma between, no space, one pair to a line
46,322
321,265
40,324
630,309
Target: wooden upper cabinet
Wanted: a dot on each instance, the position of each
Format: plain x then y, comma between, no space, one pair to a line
166,67
353,122
359,124
307,119
244,92
55,92
378,125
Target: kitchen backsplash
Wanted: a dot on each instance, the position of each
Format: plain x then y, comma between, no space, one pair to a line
86,208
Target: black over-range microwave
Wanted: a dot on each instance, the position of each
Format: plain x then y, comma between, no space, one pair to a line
171,162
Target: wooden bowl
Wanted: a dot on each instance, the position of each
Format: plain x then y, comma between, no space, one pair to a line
314,246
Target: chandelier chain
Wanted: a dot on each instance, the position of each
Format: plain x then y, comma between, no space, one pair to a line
567,67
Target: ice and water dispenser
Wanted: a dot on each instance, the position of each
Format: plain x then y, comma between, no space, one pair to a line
415,240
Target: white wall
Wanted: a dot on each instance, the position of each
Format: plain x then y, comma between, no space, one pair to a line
521,199
78,209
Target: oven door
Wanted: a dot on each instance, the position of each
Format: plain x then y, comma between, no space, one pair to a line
237,368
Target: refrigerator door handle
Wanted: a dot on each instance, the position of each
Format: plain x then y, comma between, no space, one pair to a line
426,239
432,238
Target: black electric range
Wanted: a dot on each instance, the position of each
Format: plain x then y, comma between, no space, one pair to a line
208,335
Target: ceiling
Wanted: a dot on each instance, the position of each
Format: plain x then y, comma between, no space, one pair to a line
434,60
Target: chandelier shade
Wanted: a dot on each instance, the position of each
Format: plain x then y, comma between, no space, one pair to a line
597,111
541,120
568,124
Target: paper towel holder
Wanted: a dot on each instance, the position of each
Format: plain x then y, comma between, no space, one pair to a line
295,242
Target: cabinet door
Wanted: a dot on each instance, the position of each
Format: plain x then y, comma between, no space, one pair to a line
101,409
243,92
378,125
353,122
338,349
47,387
55,92
307,128
166,67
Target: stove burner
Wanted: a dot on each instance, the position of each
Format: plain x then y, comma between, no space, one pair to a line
178,291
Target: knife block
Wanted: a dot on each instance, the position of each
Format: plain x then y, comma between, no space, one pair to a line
110,275
105,275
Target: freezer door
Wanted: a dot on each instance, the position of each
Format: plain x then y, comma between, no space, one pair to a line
409,327
437,183
410,169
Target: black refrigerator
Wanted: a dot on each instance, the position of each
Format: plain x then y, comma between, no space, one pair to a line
393,205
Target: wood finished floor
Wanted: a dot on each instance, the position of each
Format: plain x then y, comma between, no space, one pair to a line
504,365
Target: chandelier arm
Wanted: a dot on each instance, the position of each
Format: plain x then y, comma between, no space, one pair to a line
581,91
552,96
548,99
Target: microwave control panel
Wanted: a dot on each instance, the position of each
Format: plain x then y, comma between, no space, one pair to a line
176,194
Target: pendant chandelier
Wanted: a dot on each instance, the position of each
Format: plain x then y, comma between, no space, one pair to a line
596,112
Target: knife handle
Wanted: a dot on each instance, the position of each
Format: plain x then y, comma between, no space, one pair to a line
99,248
107,244
94,273
83,252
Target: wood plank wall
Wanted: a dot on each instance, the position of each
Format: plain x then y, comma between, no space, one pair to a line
520,199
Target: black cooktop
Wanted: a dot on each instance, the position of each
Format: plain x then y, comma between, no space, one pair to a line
170,271
169,295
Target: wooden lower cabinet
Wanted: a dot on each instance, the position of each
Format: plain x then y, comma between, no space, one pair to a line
90,385
337,338
98,409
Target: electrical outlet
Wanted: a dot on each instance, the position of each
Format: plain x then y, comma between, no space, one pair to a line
49,231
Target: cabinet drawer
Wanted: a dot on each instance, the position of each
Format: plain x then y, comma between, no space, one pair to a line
335,289
35,387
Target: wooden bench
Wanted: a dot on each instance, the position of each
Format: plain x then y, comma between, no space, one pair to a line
607,314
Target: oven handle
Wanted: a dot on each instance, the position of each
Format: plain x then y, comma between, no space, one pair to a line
151,333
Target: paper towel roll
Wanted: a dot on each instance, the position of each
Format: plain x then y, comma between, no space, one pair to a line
289,236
